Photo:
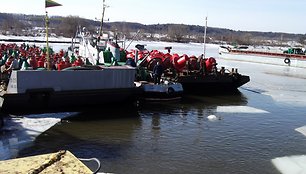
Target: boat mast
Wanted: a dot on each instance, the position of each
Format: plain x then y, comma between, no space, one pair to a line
48,3
47,41
102,20
205,29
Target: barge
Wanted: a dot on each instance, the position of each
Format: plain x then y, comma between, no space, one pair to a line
294,57
34,90
197,75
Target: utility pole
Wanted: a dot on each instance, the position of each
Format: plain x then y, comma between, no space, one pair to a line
205,29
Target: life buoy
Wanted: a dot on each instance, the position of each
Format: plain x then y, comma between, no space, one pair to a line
287,61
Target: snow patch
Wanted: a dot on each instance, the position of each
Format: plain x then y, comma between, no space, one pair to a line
212,118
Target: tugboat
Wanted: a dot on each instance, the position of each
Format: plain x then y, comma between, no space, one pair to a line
103,49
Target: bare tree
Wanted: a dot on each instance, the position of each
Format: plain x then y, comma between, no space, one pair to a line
68,25
13,25
177,32
302,39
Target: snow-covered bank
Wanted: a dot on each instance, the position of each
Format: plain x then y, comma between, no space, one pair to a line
35,38
57,43
179,48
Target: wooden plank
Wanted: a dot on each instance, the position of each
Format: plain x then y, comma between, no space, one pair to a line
55,163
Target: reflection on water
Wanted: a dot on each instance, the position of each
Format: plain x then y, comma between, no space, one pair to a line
163,138
177,137
89,134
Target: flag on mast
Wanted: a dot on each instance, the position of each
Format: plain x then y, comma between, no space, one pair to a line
51,3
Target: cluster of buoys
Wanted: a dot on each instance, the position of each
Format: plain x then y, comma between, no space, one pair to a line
176,61
33,57
24,54
141,54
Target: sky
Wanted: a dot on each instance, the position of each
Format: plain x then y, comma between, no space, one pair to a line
245,15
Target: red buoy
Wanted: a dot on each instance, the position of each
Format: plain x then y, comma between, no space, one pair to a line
210,63
180,62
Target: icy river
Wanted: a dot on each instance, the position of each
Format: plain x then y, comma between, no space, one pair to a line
260,129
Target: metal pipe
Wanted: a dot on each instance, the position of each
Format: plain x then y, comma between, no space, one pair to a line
92,159
132,40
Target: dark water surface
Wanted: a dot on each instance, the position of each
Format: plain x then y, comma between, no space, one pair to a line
255,126
178,138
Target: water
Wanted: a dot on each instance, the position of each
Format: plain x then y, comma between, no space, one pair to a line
256,125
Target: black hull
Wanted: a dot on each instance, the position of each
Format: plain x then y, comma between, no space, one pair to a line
212,84
161,96
42,101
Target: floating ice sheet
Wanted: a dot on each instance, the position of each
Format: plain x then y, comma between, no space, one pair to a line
21,132
36,126
291,164
240,109
302,130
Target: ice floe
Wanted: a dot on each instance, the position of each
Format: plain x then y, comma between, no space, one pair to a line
19,133
213,118
291,164
240,109
302,130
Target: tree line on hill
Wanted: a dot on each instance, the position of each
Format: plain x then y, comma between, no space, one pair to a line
20,24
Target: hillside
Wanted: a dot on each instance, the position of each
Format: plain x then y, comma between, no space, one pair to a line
20,24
